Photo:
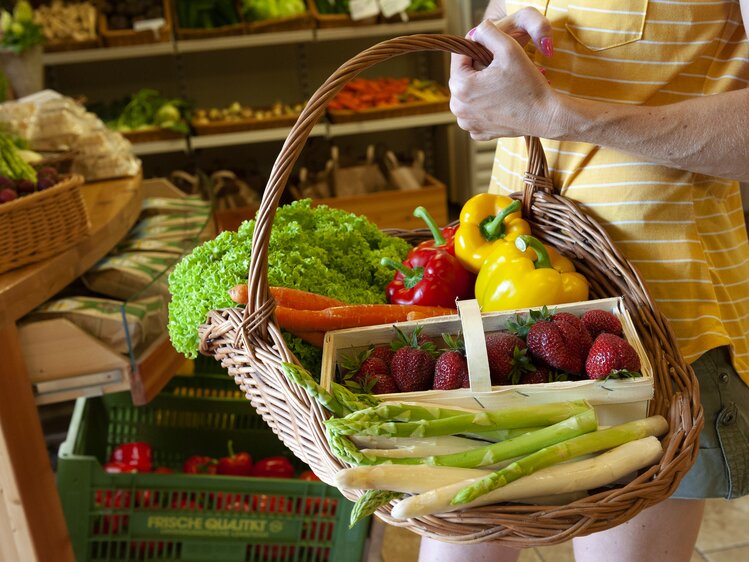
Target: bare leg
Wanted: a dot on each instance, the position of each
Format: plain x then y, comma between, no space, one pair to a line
665,532
436,551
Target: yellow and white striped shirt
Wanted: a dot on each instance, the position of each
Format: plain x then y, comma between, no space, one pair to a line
684,231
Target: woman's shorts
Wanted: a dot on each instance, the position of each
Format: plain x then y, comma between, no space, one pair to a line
722,466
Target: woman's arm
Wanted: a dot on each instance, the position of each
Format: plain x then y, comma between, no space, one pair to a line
708,135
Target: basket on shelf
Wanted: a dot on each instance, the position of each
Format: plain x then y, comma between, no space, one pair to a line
249,343
43,224
61,46
152,135
336,20
129,37
400,110
238,125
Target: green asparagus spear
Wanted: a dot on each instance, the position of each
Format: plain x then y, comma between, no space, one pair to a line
351,401
575,447
370,502
498,452
301,376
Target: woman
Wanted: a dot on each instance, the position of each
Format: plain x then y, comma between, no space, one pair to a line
646,108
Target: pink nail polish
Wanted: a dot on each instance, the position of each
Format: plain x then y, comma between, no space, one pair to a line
546,46
542,70
471,32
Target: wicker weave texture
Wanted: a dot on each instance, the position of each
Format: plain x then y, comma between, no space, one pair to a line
249,343
42,224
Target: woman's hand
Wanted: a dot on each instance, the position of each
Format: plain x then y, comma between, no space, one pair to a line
510,97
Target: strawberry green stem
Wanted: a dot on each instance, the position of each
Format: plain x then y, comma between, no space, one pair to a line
525,241
493,227
423,214
411,277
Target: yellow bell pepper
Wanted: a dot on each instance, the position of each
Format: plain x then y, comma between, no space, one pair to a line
528,274
486,221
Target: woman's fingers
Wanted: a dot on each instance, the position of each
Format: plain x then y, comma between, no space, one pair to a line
529,24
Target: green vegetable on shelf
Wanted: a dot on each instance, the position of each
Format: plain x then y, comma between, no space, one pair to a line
206,14
147,108
18,32
258,10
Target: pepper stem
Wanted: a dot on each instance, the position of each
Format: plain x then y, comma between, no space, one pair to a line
493,228
525,241
230,447
423,214
410,276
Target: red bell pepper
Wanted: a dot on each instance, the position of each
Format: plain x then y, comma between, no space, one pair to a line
119,468
273,467
443,239
429,277
137,454
309,475
236,464
199,464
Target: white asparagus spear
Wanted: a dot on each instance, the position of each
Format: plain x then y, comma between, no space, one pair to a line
410,479
575,476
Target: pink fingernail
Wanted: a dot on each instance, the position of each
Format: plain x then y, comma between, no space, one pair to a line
547,47
542,70
471,32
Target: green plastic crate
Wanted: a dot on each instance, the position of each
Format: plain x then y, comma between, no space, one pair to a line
197,518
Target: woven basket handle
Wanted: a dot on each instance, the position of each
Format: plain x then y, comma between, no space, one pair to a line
259,305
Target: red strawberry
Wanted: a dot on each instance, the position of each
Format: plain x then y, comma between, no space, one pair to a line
612,356
535,377
413,369
383,352
600,321
412,366
450,370
374,376
507,357
562,343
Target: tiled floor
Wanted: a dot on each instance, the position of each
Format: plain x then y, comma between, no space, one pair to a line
724,537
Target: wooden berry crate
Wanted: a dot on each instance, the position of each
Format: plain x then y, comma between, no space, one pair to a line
615,400
129,37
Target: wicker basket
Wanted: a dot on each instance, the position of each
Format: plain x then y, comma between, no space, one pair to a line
129,37
249,343
43,224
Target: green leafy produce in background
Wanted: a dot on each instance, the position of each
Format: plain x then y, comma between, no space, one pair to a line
19,32
318,249
147,108
257,10
333,6
206,14
422,6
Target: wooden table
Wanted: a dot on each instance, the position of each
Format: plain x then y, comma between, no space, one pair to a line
32,527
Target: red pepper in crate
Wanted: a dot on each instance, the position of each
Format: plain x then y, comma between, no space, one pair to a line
429,277
137,454
112,523
273,467
199,464
119,468
442,239
236,464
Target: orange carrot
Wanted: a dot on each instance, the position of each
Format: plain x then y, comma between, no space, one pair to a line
313,338
351,316
290,298
239,293
302,300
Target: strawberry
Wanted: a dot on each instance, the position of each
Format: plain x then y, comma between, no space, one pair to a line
374,377
412,366
562,342
450,370
612,356
543,373
507,357
598,321
384,352
521,325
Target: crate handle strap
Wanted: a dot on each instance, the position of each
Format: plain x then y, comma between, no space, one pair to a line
475,343
258,291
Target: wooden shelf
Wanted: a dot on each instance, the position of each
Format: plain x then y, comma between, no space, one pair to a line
113,208
250,137
391,124
243,41
160,147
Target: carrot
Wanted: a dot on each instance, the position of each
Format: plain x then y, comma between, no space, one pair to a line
290,298
239,293
302,300
313,338
351,316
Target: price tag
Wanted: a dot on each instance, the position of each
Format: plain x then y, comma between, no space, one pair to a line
392,7
153,24
361,9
